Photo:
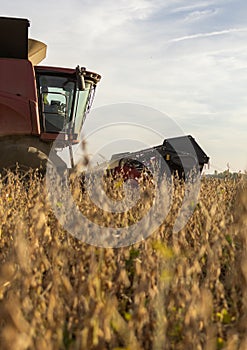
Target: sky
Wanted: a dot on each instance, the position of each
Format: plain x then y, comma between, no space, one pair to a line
185,60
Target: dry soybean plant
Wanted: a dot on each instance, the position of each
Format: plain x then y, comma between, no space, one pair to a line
171,291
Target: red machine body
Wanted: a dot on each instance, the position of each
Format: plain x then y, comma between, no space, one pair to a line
18,98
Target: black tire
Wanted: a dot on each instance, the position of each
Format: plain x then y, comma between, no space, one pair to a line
24,153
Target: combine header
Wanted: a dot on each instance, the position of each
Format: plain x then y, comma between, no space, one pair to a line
177,156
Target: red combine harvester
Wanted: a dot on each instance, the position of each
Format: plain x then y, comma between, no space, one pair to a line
37,103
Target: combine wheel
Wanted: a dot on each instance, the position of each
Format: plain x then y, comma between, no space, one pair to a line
24,153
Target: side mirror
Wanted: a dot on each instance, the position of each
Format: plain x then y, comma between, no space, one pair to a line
80,79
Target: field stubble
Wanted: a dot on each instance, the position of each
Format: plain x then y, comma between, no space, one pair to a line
171,291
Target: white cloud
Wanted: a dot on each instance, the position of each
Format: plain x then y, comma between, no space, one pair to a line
200,15
194,6
209,34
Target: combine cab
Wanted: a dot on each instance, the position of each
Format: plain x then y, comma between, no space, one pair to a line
37,103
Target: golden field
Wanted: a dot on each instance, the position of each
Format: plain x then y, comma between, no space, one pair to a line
171,291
